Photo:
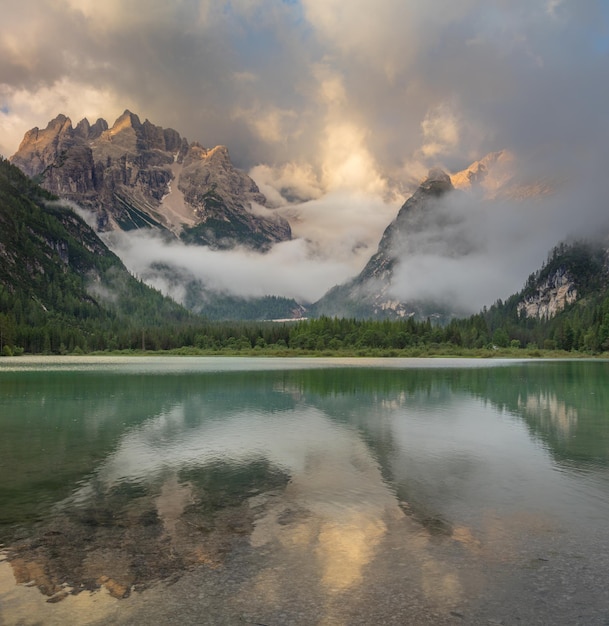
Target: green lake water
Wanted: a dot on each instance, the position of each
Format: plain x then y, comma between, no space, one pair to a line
303,491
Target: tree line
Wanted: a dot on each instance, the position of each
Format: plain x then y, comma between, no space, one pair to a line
30,330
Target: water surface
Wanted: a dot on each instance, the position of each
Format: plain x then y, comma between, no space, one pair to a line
303,491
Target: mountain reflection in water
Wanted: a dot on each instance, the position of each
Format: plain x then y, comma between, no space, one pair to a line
325,495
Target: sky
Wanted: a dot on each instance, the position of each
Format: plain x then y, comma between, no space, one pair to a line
337,108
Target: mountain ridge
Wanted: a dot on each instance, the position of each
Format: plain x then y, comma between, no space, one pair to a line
61,288
369,294
129,175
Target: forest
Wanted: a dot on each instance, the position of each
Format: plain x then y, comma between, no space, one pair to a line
488,333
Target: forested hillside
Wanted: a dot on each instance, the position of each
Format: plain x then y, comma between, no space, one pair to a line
583,323
61,289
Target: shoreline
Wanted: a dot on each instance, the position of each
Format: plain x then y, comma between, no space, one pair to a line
516,354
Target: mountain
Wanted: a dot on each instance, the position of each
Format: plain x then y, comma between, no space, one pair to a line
564,304
488,176
138,175
61,288
422,223
432,227
218,305
498,176
575,272
575,275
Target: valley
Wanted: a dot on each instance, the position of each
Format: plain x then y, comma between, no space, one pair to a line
136,177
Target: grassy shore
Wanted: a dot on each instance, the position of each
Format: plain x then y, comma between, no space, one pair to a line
441,351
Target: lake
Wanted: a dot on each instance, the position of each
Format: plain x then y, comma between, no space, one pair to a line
303,491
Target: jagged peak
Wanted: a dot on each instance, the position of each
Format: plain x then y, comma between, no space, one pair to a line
139,173
217,153
437,174
60,122
487,175
98,128
86,130
83,128
57,128
128,113
126,120
437,182
59,119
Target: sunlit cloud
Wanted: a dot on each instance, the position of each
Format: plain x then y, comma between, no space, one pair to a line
440,132
287,183
270,124
343,225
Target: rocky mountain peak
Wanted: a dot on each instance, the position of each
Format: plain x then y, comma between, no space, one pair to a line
437,182
98,128
40,148
437,174
370,293
219,154
87,131
83,128
61,125
124,133
500,175
61,122
212,171
126,120
217,157
139,175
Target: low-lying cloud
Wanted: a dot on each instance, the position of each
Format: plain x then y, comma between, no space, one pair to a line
288,269
474,252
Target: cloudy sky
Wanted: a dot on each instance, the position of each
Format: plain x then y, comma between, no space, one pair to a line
346,103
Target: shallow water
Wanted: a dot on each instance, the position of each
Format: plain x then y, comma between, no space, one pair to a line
303,491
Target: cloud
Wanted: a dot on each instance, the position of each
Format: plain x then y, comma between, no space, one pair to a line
287,82
87,216
271,124
440,132
473,252
342,225
287,270
287,183
117,15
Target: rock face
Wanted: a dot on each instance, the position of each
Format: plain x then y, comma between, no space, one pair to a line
498,176
574,271
550,296
56,273
486,176
138,175
418,227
